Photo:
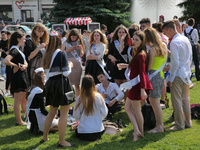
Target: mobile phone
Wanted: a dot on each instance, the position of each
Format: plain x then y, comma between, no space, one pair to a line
19,65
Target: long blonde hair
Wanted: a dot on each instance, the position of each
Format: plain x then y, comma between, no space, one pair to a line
102,39
87,95
44,38
54,44
154,41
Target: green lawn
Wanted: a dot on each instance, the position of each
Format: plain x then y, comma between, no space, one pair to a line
18,137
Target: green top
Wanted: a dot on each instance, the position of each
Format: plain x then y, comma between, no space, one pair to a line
157,63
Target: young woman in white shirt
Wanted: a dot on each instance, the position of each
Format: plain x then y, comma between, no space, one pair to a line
94,56
89,110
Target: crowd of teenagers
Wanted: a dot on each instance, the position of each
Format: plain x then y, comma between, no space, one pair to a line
129,65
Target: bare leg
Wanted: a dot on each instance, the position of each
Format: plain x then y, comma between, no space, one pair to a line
24,101
132,117
62,125
77,89
55,128
138,115
118,81
163,91
48,122
17,109
155,103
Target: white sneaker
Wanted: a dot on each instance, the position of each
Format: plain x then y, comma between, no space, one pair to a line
6,94
162,106
2,79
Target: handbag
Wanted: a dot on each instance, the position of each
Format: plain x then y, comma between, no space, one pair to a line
69,95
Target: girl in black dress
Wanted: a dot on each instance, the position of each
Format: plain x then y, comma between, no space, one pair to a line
57,85
34,49
94,56
118,53
19,84
35,107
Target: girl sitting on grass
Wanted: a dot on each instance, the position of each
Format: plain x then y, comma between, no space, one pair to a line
90,110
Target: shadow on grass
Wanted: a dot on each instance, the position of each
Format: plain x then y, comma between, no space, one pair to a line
127,141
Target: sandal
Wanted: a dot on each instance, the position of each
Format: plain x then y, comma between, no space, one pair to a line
156,130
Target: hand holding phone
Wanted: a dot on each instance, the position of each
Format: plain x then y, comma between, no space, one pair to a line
19,65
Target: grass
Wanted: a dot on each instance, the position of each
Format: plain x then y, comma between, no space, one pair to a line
18,137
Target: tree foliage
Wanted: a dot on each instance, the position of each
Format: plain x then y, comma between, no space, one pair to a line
109,12
191,9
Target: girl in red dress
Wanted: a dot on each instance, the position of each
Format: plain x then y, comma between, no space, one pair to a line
139,90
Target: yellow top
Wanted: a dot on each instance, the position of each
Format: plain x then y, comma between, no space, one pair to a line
157,63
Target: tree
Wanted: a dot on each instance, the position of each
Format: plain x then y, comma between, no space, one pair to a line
109,12
191,9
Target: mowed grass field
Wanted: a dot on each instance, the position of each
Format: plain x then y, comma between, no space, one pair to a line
18,137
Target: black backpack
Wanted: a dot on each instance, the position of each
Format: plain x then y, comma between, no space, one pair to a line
188,35
149,117
195,112
3,104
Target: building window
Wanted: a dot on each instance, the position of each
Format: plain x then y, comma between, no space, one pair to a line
27,16
6,12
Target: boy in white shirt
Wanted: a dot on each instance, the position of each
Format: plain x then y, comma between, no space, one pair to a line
179,79
110,92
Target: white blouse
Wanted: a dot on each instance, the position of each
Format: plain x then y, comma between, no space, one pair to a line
100,49
92,123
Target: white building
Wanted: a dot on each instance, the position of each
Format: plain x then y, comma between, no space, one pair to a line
30,10
154,8
25,10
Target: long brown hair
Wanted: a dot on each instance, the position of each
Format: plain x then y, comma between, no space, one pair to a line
87,95
44,38
54,44
102,39
37,82
115,35
75,32
140,49
154,41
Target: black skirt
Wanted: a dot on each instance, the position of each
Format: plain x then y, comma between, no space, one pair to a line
89,136
19,81
92,68
53,91
116,73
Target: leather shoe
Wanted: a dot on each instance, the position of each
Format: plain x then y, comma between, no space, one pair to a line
42,141
17,124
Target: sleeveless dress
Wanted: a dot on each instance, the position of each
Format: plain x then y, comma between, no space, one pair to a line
138,68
